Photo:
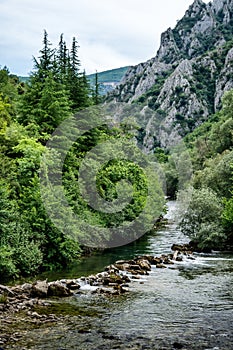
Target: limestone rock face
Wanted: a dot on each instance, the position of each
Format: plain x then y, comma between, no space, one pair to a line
224,81
185,81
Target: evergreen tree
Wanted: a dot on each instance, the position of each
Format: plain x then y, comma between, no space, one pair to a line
46,100
62,59
45,64
96,95
73,76
44,104
74,60
84,90
76,81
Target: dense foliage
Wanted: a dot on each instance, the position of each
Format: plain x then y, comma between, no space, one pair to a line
209,218
29,113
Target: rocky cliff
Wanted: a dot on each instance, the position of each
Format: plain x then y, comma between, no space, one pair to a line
184,83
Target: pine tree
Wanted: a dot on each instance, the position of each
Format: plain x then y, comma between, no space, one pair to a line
84,90
45,64
74,60
73,76
62,59
96,95
77,83
56,87
45,104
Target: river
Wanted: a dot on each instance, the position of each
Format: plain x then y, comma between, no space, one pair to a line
187,306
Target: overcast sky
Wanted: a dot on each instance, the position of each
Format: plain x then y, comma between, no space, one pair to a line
111,33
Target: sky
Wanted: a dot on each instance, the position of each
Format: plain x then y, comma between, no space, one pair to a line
111,33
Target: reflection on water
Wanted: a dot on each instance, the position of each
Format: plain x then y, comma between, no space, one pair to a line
188,305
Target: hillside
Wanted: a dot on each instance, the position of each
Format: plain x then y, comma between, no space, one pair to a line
184,83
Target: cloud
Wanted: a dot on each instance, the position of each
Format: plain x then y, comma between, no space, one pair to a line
111,33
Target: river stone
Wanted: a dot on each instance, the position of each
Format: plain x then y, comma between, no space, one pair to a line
156,261
182,247
113,278
72,284
135,272
149,258
58,289
40,289
179,258
136,277
124,289
6,290
135,267
112,268
26,287
126,278
161,266
144,264
131,262
123,267
113,285
166,260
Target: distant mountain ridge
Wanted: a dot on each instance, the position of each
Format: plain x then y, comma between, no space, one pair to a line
109,76
184,83
109,79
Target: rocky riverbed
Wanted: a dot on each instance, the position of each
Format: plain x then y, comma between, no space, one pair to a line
28,305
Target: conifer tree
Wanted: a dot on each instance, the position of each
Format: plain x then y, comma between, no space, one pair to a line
96,96
56,87
77,83
62,59
84,89
74,60
45,104
73,76
45,64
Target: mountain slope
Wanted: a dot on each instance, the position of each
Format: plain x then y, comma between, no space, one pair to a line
184,83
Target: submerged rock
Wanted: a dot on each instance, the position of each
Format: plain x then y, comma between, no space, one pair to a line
161,266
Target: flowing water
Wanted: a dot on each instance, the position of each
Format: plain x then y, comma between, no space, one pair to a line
186,306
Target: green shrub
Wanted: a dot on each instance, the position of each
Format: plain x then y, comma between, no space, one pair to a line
211,236
7,265
202,220
227,220
28,258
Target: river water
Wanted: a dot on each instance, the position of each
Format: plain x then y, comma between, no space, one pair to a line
186,306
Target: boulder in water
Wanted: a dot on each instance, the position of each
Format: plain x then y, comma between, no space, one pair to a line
40,289
58,289
144,264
